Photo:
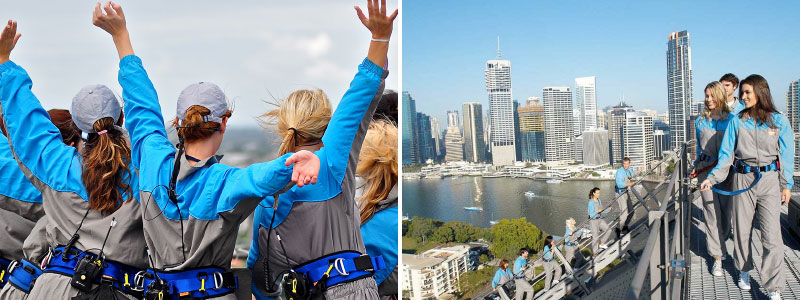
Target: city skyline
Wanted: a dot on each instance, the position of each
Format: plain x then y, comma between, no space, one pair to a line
629,61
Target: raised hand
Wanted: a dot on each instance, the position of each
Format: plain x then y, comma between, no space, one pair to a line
111,18
378,23
112,21
306,167
381,27
8,39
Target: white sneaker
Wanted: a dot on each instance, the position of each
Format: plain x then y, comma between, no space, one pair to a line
716,270
774,295
554,282
744,281
604,246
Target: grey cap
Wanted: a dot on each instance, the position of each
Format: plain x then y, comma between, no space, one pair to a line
93,103
204,94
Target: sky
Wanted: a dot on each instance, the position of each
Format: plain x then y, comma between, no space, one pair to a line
623,43
256,51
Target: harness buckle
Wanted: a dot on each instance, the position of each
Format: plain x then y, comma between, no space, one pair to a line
13,265
217,282
138,282
337,263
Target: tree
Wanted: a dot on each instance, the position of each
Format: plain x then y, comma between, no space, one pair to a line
443,234
422,228
511,235
483,259
406,223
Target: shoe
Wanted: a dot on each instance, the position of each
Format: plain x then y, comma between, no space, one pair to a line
554,282
744,281
716,270
625,230
603,246
774,295
617,231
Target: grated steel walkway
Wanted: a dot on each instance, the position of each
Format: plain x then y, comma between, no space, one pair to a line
702,285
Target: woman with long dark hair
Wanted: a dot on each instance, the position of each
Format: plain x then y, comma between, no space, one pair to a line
759,145
193,205
86,194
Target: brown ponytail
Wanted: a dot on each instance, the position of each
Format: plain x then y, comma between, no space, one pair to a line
70,133
105,167
300,119
377,165
198,130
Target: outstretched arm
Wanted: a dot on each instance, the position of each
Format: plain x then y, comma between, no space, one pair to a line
113,22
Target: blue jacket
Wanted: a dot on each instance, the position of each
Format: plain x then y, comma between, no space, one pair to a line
519,263
20,205
213,199
55,169
498,276
320,219
380,238
594,208
621,176
757,145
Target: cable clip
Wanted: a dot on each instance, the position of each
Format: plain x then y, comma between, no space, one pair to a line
340,262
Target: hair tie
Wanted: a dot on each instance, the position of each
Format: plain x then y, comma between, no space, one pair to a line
102,132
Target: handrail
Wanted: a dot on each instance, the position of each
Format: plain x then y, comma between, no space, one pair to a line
666,266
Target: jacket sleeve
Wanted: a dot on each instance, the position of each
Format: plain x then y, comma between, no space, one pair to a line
725,157
351,117
697,131
786,144
34,140
143,118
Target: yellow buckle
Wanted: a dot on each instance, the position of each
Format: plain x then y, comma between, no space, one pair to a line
294,286
2,275
126,284
327,273
203,285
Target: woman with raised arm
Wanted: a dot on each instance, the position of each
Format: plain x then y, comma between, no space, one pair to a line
759,146
87,195
28,241
709,129
377,166
197,203
312,234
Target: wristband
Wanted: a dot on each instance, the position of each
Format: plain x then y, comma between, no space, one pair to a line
380,40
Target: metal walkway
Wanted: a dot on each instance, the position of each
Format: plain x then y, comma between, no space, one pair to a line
704,286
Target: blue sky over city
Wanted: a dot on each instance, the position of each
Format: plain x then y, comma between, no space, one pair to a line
623,43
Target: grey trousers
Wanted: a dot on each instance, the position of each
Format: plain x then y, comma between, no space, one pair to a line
570,252
763,202
717,212
522,287
625,209
551,268
364,288
599,233
10,292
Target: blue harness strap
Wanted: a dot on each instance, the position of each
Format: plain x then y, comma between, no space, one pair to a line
119,275
340,267
22,274
195,283
741,167
4,263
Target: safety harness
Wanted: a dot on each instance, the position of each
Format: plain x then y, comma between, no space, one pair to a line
4,263
742,168
200,283
22,274
118,275
705,157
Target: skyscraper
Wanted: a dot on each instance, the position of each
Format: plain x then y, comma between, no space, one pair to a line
531,127
558,124
436,131
425,143
639,139
474,148
410,152
601,120
501,110
679,86
616,128
793,113
595,148
586,102
659,138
